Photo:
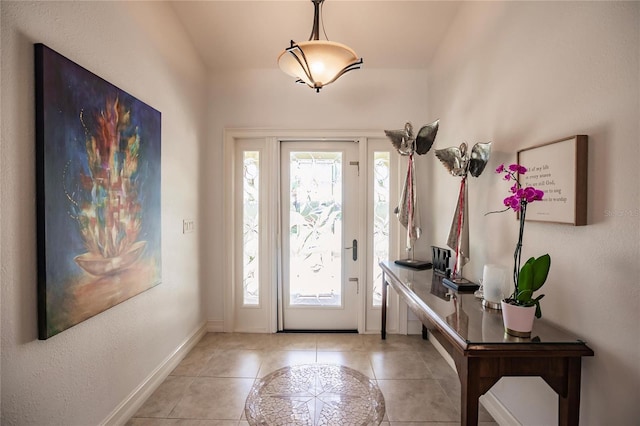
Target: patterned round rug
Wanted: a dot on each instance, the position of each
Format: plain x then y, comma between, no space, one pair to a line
314,395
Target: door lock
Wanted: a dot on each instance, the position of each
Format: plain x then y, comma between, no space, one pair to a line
351,280
355,250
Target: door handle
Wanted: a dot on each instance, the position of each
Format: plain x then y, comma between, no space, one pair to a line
355,250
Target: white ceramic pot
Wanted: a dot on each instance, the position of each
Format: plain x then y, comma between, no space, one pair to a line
518,320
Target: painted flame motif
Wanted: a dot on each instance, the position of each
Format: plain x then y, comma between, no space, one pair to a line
109,213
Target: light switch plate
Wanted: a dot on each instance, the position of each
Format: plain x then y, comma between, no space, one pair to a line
188,225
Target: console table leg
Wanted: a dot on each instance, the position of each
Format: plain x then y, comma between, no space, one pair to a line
569,405
469,394
383,327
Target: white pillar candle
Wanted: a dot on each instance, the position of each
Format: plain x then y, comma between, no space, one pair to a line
493,283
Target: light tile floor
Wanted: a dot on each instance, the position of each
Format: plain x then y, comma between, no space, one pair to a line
210,386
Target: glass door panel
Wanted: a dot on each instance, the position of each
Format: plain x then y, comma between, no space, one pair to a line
315,228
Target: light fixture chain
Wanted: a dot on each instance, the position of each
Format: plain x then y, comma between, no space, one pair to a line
322,20
315,29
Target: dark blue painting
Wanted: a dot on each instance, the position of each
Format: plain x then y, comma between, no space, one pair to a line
98,193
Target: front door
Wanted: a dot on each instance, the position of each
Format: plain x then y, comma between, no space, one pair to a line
320,254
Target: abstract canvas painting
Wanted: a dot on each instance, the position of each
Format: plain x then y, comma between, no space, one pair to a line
98,193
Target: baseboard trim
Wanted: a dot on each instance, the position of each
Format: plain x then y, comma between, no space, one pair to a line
498,411
443,352
127,408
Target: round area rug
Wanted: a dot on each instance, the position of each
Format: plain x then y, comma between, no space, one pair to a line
314,395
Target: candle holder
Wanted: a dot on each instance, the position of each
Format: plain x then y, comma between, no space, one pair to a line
494,279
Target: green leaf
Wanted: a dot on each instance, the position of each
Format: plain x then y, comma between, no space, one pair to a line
525,282
540,271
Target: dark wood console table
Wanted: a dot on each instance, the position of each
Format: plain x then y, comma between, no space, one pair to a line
474,337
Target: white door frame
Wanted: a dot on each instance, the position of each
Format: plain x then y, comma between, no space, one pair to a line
272,139
344,316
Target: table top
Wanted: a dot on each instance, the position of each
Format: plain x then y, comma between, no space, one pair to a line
463,314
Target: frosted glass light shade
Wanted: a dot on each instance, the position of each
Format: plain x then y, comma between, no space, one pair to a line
318,62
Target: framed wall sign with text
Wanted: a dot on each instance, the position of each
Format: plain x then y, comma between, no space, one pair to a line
559,168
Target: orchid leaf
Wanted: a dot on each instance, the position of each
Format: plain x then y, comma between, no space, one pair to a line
525,282
538,310
540,268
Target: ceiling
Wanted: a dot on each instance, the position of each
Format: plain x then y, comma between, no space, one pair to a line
240,34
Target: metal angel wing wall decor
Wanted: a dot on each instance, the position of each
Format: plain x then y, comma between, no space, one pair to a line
407,211
459,162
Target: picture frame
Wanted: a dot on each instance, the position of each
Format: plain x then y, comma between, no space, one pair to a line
559,168
98,193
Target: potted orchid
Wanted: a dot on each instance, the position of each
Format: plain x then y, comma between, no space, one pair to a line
533,274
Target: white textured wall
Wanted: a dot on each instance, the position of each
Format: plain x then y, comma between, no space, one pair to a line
524,73
79,376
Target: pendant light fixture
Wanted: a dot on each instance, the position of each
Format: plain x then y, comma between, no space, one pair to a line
316,62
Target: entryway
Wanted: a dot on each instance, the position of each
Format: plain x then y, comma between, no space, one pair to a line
308,217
